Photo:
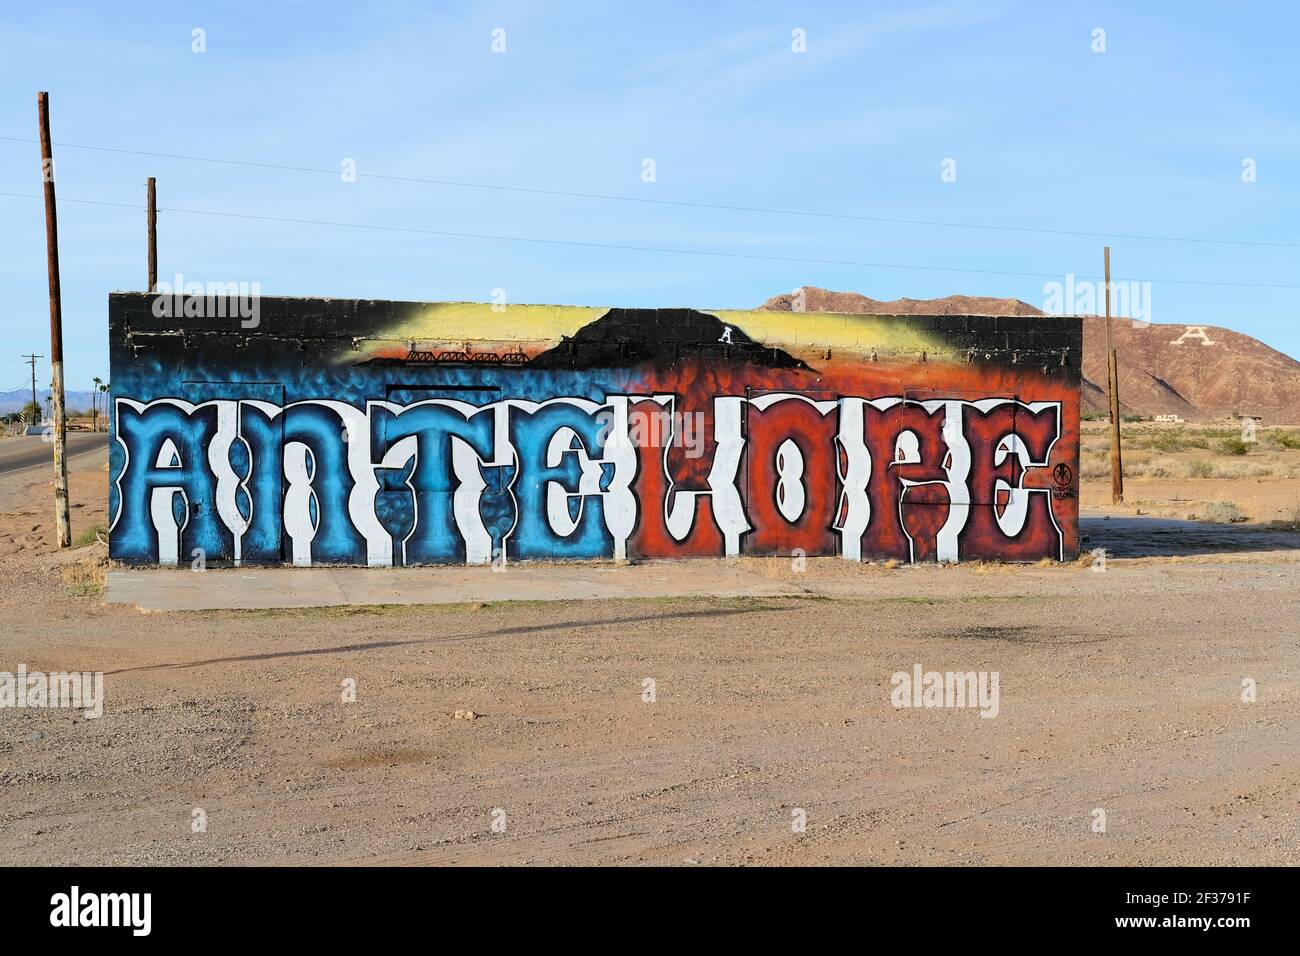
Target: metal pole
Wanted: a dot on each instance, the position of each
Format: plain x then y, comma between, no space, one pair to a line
152,218
62,517
1112,375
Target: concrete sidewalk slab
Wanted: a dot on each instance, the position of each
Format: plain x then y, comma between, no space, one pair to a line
1138,540
157,589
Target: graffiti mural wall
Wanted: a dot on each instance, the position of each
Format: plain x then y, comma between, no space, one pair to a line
319,431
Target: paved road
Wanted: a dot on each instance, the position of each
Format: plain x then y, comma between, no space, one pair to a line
30,450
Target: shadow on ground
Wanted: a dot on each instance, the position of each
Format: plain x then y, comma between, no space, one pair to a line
1125,536
501,632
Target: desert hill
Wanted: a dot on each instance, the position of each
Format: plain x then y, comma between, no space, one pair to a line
1196,372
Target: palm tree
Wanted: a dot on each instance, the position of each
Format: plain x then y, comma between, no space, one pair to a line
94,408
103,387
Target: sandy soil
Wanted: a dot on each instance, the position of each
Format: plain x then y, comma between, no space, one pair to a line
1120,692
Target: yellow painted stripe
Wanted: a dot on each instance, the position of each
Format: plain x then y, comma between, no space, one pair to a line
452,322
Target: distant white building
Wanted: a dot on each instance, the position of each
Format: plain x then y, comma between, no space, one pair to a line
1169,418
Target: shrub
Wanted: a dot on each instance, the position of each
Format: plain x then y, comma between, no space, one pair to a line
1177,442
1222,512
85,578
1200,468
1091,471
1233,446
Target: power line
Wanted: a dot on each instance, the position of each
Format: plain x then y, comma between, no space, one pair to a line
725,207
716,253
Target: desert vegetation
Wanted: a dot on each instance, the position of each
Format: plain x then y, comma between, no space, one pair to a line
1192,451
1198,471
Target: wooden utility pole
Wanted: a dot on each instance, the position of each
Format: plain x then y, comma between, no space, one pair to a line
152,218
94,403
31,360
1112,377
62,517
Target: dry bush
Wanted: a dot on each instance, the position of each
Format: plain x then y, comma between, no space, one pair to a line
1175,441
87,576
1282,440
1097,466
1221,512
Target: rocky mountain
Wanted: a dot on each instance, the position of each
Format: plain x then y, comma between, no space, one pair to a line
1193,371
824,300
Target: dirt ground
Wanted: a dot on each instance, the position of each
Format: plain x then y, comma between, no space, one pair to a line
1119,691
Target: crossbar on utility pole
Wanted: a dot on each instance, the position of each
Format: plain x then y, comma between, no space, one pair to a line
62,516
1112,377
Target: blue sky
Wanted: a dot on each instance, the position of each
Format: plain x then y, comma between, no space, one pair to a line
1145,138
